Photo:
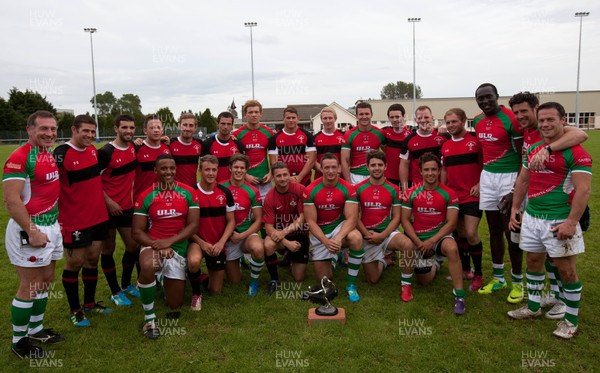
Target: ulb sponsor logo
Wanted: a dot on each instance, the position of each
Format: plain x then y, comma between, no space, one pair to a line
288,290
290,359
44,359
414,327
536,359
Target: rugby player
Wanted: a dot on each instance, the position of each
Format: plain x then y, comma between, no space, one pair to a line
557,197
186,150
462,163
284,224
380,212
223,145
255,137
166,216
524,105
501,139
434,208
394,136
328,140
83,217
331,213
248,221
33,241
359,141
294,146
117,162
216,226
146,154
425,139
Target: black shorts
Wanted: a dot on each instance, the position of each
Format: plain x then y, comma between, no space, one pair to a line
215,263
123,221
300,256
84,237
469,208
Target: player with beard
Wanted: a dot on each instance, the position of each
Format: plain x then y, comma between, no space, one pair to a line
461,166
117,162
223,145
380,212
186,150
328,140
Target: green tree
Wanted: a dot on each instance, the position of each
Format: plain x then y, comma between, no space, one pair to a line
106,103
9,119
399,91
25,103
208,121
168,120
65,121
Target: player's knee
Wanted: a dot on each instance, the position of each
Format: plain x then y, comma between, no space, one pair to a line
355,240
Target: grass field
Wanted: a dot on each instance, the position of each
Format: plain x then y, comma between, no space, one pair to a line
235,333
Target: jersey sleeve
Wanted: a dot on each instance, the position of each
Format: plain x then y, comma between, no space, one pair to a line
404,148
104,154
240,145
59,155
582,160
16,166
351,197
307,197
272,145
302,190
452,199
256,199
141,206
310,142
347,144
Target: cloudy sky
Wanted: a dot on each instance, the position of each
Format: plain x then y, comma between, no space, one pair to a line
194,55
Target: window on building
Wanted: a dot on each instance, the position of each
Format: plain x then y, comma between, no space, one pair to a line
586,119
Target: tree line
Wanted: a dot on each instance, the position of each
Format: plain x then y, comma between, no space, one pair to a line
20,104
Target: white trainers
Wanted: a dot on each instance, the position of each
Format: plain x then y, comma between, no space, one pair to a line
548,301
557,312
523,313
565,330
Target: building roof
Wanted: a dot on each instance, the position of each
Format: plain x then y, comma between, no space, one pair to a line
305,112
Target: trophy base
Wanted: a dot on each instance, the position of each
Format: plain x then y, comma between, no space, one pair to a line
314,318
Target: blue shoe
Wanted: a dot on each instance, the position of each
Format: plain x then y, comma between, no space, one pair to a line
97,309
79,320
253,288
353,294
132,290
120,299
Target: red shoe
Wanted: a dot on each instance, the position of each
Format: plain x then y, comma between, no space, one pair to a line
467,275
476,283
407,294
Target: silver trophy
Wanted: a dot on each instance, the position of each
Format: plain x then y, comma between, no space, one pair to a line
322,294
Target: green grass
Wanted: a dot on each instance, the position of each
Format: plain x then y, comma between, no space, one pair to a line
235,333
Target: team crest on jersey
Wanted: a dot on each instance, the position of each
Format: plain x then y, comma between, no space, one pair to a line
233,149
340,139
221,199
197,148
366,137
439,140
471,145
329,196
95,154
76,236
166,151
301,138
375,193
488,124
254,136
293,203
